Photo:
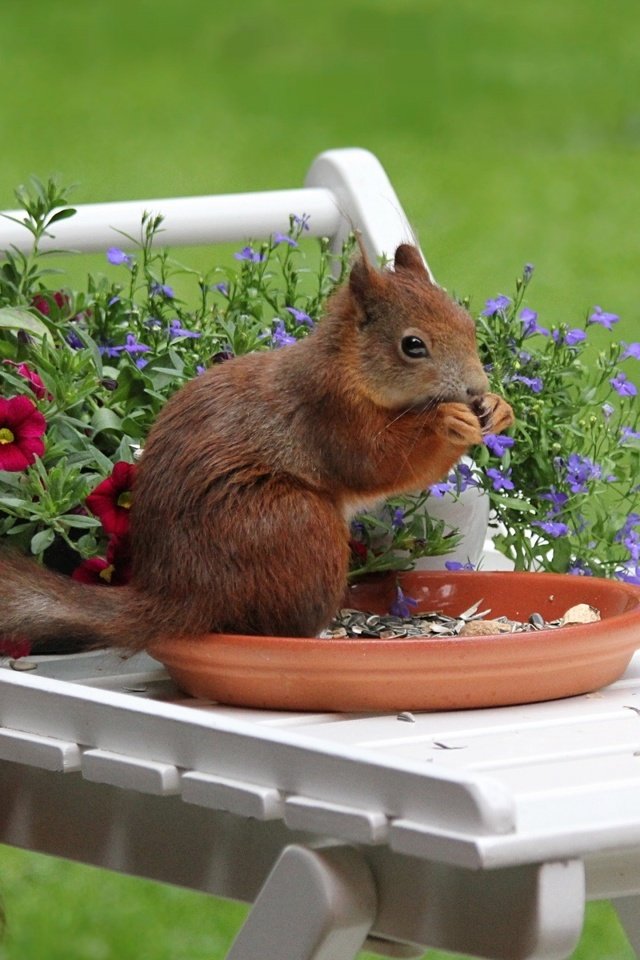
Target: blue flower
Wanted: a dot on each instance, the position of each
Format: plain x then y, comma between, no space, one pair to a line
607,411
440,489
628,433
250,255
279,335
302,221
401,606
530,325
556,498
117,257
554,528
602,318
132,346
284,238
527,273
569,337
463,477
630,573
623,386
457,565
74,340
579,471
632,350
535,384
500,480
222,288
579,569
176,330
496,305
397,518
300,316
498,444
162,289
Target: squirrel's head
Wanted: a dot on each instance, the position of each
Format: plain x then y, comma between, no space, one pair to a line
413,343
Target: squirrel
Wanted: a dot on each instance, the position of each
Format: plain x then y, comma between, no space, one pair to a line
252,470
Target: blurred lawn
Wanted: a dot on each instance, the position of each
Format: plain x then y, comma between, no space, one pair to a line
511,133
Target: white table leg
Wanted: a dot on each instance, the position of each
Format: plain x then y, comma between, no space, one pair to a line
315,905
628,910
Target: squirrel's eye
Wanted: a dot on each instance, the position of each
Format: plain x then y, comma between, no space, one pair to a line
413,347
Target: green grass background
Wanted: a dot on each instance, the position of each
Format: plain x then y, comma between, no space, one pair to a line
511,132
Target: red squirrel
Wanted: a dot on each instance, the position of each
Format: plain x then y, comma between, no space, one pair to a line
252,470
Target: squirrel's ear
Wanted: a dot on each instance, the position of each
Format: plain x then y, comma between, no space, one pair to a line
361,280
409,258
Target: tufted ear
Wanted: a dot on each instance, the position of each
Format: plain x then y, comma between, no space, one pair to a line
409,258
362,280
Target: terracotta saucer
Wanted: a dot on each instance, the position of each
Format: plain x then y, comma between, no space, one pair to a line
435,673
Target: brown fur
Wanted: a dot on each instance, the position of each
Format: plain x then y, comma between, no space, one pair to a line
251,471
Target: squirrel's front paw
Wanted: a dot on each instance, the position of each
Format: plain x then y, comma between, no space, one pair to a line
494,413
459,424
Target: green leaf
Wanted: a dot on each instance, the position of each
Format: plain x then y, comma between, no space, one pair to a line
61,215
18,318
105,419
79,521
42,540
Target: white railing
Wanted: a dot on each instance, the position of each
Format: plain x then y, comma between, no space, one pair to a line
344,190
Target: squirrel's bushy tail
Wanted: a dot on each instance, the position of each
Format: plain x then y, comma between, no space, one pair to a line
54,611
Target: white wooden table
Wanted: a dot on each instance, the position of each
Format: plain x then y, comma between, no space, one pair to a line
481,832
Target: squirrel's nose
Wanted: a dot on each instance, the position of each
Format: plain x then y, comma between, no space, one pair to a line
477,384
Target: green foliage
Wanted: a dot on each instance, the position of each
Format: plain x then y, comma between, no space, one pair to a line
100,362
565,495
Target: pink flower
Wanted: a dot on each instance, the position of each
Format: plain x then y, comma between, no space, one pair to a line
33,379
21,429
15,647
43,301
114,570
111,499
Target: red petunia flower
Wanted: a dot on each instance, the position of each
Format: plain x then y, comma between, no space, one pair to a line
114,570
21,429
15,647
111,500
33,379
42,301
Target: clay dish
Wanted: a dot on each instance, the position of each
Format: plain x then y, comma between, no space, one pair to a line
433,673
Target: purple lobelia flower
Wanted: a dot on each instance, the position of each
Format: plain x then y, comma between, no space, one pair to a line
571,338
458,565
556,498
496,305
553,528
176,329
535,384
401,606
603,318
498,444
631,350
250,255
300,316
579,471
279,335
118,257
530,325
284,238
500,479
623,386
162,290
